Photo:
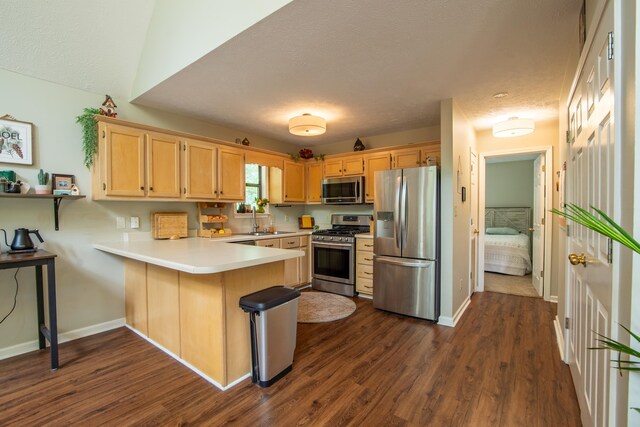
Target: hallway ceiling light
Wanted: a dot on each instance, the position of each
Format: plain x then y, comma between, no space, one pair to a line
513,127
307,125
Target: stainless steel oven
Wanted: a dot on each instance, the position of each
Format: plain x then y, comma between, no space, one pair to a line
334,254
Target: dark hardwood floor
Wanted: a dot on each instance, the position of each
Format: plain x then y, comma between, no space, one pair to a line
499,367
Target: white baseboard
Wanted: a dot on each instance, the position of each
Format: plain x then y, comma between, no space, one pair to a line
28,346
453,321
365,296
553,299
188,365
559,337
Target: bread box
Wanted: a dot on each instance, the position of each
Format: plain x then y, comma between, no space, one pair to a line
169,225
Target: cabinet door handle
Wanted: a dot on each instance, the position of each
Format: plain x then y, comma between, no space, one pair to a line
368,287
184,190
150,188
103,135
221,192
368,246
268,246
104,186
366,272
368,259
142,188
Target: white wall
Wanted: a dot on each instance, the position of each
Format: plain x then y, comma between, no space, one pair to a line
90,283
411,136
509,184
457,138
181,32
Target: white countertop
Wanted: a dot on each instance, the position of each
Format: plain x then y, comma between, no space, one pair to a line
243,237
198,255
364,236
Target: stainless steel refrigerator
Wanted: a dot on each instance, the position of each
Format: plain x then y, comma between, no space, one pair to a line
406,275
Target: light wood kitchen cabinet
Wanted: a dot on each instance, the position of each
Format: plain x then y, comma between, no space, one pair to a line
364,266
268,243
373,163
120,162
163,165
231,174
294,182
415,157
199,179
296,270
408,158
314,182
345,166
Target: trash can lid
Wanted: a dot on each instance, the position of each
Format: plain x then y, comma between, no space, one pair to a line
268,298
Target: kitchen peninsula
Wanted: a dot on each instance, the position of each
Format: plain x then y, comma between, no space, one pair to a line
183,295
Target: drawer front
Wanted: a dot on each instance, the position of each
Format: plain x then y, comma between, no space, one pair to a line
364,286
304,240
364,271
268,243
364,258
290,242
364,245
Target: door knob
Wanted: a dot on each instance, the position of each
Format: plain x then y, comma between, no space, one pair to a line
476,231
532,229
576,259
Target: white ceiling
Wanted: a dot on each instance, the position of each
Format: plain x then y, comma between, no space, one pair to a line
367,66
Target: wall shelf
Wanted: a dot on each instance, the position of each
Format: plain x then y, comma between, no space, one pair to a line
56,201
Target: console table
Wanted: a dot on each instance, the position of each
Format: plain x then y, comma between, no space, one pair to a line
37,260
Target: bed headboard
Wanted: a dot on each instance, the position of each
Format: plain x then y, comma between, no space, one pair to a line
518,218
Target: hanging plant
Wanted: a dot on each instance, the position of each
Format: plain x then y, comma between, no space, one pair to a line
89,134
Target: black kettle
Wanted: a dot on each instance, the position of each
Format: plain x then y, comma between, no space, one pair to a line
21,240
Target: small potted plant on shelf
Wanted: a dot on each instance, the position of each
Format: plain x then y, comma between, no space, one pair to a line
43,186
261,203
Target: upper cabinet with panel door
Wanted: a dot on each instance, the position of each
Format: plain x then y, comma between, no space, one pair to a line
372,164
163,165
294,181
344,166
230,174
314,182
416,156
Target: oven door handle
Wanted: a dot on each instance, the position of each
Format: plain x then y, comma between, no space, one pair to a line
331,245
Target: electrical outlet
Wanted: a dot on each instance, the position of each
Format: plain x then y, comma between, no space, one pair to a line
286,218
120,222
135,222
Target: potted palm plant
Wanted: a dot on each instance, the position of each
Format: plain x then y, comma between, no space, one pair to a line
604,225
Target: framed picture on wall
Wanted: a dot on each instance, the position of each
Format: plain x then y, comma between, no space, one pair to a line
62,183
15,141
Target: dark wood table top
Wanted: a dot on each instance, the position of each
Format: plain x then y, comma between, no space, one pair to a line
38,255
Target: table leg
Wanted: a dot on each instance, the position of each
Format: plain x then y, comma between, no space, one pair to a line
53,322
40,300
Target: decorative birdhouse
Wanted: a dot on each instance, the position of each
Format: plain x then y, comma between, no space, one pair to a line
108,107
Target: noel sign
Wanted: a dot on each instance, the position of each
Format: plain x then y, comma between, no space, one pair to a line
15,141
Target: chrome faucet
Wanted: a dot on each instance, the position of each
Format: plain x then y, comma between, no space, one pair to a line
255,226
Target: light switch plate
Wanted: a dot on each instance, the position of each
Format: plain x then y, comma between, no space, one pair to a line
135,222
120,222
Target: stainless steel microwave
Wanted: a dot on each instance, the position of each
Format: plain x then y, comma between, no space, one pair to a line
343,191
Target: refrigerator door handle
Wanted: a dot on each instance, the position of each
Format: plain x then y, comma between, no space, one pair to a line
397,212
402,261
404,213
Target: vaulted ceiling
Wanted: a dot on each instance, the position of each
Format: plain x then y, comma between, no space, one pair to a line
367,66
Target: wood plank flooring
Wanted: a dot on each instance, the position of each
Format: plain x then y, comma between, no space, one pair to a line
499,367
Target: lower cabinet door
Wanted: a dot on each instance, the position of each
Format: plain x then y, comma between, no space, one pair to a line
291,272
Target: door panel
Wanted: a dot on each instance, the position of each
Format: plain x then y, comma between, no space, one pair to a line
124,158
473,200
420,213
163,165
537,238
590,166
231,174
387,205
200,170
373,164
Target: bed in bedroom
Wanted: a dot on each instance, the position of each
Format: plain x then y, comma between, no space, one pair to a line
507,242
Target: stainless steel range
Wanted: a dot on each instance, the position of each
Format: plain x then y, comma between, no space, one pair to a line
334,254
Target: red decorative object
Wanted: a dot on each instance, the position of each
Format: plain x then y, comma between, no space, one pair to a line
109,109
306,153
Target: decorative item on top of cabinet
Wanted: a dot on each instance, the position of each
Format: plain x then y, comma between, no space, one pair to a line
212,220
358,146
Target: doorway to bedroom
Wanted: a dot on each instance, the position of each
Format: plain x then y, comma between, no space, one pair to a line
514,207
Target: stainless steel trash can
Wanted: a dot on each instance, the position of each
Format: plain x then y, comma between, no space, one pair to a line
273,320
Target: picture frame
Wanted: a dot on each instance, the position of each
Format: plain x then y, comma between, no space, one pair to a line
15,141
62,182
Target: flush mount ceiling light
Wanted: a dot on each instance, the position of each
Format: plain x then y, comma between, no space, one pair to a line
307,125
513,127
501,95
